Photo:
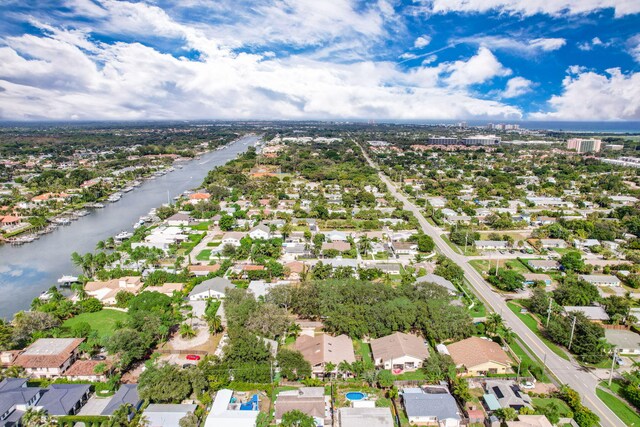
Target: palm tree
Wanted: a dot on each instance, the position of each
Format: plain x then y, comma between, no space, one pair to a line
187,331
329,367
100,245
78,261
494,323
294,330
81,293
215,323
508,335
365,245
345,368
35,418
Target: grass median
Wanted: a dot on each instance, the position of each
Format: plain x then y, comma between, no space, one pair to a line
628,416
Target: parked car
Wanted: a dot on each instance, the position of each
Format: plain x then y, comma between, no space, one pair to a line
619,361
527,385
193,357
99,357
188,365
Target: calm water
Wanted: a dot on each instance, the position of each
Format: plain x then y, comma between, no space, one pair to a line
27,270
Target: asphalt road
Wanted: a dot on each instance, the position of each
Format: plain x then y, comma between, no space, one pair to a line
567,372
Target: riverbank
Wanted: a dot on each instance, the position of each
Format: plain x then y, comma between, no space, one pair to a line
28,270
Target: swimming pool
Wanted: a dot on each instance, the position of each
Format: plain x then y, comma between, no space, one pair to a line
355,395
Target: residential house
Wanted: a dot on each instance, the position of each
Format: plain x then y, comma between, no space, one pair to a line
533,278
545,220
530,421
196,198
440,281
166,415
624,341
593,313
127,394
336,236
506,393
404,248
295,269
106,291
85,370
321,349
179,220
553,243
203,270
600,279
212,288
162,238
227,411
491,244
365,417
310,401
49,357
431,406
16,397
260,232
167,289
386,267
232,238
544,264
339,246
477,357
399,352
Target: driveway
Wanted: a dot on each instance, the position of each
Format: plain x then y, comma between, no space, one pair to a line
95,405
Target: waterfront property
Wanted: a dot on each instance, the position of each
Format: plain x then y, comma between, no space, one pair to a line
49,357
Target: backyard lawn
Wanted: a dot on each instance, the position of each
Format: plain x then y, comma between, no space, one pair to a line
564,410
103,321
204,255
628,416
363,349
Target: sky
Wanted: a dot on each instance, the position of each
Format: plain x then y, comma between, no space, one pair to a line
411,60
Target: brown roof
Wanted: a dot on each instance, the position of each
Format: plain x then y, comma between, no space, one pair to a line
313,406
211,268
338,246
295,266
84,368
475,351
325,348
398,345
251,267
166,288
48,352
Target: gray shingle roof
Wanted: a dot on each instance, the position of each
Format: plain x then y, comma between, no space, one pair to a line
60,399
217,284
441,405
127,393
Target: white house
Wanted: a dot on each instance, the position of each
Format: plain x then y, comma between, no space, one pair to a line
601,279
260,232
212,288
232,238
491,244
399,352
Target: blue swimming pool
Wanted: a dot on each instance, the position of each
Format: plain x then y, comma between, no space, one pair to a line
251,405
355,395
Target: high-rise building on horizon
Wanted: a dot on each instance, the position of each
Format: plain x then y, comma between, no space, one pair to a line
582,145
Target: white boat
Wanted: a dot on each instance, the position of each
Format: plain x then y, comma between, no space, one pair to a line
138,225
97,205
82,213
114,197
67,280
127,189
123,236
62,221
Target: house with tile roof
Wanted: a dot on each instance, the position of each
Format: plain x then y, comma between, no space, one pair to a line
106,291
49,357
321,349
477,357
399,352
310,401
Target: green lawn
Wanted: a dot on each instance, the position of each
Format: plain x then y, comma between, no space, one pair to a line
417,375
481,265
204,255
203,226
214,244
363,349
452,245
628,416
103,321
524,357
540,402
530,321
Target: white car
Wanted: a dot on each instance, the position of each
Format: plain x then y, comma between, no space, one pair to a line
527,385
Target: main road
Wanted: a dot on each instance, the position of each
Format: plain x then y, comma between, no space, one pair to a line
567,372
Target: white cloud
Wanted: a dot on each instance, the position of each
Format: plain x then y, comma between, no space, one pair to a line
591,96
533,7
634,47
430,59
517,86
590,44
408,55
422,41
513,45
478,69
123,81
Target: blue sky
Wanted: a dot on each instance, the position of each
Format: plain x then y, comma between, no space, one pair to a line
310,59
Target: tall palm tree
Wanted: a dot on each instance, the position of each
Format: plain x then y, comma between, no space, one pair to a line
294,330
365,245
187,331
101,245
78,261
494,323
345,368
81,293
35,418
215,323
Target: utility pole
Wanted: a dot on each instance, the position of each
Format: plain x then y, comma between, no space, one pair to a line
613,364
549,312
573,327
465,241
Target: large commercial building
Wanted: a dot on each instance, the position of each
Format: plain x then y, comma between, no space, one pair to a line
582,145
481,140
443,140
